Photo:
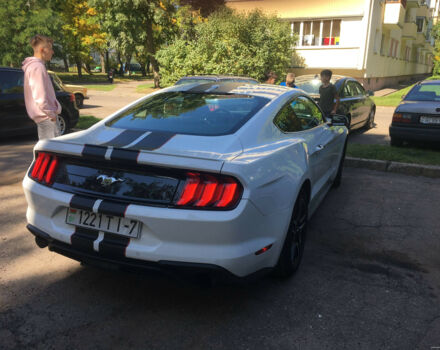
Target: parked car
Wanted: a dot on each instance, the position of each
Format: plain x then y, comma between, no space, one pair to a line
210,178
417,117
79,91
355,102
13,115
217,78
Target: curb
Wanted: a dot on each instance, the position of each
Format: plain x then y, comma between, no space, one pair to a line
394,167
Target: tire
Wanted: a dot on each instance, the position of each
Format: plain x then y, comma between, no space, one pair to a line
293,247
369,124
63,122
338,178
396,142
79,100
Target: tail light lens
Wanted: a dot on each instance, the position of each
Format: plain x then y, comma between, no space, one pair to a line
209,191
72,97
402,118
45,167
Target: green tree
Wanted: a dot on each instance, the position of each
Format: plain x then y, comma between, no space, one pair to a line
21,20
205,7
436,35
231,43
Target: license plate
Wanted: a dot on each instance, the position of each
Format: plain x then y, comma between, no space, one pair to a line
102,222
430,120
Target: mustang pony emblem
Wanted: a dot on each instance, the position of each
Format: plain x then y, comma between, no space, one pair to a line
108,180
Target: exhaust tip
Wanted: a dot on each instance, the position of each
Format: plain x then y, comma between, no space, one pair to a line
41,242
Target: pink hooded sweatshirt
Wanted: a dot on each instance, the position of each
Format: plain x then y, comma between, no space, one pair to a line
39,95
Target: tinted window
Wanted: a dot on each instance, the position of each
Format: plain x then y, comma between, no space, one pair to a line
298,115
11,82
349,89
191,113
359,88
425,92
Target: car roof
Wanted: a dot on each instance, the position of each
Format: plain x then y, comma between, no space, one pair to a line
215,77
261,90
430,82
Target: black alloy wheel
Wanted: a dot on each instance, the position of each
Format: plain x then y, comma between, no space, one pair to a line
79,100
293,248
369,124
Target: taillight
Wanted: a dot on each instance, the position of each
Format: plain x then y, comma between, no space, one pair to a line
45,168
402,118
72,97
209,191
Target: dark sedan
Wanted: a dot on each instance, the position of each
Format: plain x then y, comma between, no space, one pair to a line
13,115
214,78
355,102
417,117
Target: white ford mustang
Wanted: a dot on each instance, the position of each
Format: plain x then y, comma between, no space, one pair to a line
210,178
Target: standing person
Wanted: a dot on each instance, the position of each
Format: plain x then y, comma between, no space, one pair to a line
290,80
39,94
271,77
328,94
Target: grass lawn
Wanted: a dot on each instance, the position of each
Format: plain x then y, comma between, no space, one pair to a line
101,87
427,156
96,78
145,88
86,121
395,98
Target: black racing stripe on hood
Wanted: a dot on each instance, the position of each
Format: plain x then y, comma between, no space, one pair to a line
94,152
84,203
153,141
113,245
83,238
124,155
124,138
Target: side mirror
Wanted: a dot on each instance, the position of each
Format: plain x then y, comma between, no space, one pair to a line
338,120
370,93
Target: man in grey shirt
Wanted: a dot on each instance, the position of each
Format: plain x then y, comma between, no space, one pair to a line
328,94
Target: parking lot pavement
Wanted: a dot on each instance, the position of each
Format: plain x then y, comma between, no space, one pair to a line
369,280
379,134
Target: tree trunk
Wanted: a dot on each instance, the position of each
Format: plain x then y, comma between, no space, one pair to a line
66,64
127,63
104,62
86,67
79,67
143,71
121,71
151,49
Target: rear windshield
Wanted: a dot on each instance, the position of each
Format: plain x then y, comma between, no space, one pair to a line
425,92
191,113
310,86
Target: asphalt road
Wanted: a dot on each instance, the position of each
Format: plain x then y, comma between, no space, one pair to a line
369,280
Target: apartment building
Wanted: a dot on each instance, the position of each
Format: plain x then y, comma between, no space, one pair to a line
379,42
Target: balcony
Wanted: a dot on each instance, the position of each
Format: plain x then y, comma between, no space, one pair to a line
413,3
422,11
394,16
420,39
409,30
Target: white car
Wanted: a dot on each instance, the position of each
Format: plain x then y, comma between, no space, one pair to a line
214,178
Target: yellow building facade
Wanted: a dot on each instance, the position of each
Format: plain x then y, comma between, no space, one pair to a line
379,42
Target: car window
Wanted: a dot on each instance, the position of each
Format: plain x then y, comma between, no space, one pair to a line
190,113
11,82
424,92
349,90
308,112
359,88
298,115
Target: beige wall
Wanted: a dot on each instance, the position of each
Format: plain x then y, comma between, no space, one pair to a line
303,8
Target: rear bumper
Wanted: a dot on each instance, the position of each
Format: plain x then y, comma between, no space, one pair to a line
409,133
121,263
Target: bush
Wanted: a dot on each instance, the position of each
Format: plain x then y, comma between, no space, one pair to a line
231,43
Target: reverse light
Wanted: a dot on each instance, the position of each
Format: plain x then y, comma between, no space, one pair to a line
45,167
209,191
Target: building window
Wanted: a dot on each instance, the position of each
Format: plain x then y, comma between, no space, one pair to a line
318,32
420,21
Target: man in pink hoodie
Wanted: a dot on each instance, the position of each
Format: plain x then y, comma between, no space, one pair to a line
39,94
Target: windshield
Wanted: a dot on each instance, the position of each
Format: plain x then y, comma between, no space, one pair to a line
424,92
191,113
310,85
